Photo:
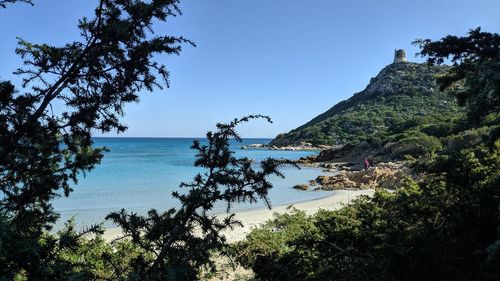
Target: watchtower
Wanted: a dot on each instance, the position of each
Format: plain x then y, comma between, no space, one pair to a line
399,55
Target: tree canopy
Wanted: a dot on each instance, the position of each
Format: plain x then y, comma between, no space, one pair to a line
475,72
43,152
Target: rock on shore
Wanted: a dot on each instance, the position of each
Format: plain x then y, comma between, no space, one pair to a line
301,186
385,175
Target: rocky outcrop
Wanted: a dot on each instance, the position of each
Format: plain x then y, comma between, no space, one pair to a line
301,187
254,146
385,175
339,181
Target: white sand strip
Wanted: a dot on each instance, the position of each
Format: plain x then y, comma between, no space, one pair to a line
253,218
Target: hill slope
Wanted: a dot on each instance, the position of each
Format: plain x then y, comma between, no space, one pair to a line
401,96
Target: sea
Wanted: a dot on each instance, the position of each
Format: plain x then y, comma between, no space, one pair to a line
139,174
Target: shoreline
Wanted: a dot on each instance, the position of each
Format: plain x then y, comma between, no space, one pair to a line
304,146
255,217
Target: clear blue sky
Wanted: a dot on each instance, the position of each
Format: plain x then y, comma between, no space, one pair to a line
288,59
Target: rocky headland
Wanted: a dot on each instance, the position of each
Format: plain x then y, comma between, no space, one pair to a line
398,116
403,96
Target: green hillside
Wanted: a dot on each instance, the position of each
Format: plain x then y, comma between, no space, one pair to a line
401,97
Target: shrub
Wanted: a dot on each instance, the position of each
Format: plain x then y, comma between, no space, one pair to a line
412,143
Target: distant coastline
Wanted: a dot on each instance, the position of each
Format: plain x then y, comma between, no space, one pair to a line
302,146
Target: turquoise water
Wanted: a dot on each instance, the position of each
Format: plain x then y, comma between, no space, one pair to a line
140,173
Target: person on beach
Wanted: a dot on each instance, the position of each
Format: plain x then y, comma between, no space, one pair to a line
367,164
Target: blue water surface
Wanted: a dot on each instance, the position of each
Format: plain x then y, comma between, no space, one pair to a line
141,173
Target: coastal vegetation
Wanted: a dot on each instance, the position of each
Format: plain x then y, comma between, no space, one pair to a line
444,121
444,227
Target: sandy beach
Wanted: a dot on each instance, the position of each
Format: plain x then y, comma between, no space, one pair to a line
253,218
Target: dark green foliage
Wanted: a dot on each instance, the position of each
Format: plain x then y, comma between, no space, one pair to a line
411,143
175,244
476,71
41,152
266,246
4,3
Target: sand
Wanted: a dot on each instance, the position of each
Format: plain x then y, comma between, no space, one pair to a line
254,218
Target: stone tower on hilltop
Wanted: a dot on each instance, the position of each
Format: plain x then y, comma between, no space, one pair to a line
399,55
